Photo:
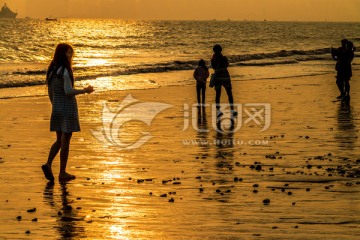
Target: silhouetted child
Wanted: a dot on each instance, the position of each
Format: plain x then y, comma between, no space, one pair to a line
201,73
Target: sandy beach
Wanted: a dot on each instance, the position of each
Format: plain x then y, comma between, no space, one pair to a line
293,175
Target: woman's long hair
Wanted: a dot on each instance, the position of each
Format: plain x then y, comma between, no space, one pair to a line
60,60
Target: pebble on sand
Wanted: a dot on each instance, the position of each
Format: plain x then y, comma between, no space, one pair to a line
31,210
236,179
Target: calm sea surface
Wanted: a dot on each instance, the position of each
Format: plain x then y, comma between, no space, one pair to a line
122,54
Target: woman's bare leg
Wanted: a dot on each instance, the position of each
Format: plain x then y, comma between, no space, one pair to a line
64,155
54,149
52,154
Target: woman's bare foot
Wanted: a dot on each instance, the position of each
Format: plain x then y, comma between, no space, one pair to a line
47,172
66,177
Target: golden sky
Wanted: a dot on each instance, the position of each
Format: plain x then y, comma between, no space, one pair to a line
279,10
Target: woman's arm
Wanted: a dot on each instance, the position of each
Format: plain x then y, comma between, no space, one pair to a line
207,74
195,74
226,62
68,88
334,55
50,93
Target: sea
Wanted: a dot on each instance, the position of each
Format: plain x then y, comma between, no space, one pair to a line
134,54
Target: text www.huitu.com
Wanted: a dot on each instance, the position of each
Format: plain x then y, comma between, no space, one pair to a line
230,142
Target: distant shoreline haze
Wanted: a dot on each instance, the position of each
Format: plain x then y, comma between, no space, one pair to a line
235,10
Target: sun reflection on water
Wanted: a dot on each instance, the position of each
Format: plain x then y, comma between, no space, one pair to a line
119,83
93,62
118,232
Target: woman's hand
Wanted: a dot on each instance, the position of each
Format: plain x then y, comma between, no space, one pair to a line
89,89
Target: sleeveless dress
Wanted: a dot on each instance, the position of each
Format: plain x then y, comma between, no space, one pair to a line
64,115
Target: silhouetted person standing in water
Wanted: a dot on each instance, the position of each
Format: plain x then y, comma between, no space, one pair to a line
64,115
343,57
201,73
220,64
350,53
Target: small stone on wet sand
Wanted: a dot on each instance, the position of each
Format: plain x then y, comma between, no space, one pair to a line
266,201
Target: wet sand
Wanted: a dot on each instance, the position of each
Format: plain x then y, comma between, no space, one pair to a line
298,179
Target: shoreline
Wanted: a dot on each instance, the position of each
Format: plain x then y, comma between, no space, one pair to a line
156,190
39,90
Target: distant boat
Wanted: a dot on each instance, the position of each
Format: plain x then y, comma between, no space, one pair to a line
7,13
51,19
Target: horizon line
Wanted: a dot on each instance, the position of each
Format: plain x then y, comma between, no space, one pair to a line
195,20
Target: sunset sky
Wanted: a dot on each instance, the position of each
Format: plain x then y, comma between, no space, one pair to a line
279,10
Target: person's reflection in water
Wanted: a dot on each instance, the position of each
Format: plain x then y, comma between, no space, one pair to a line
346,135
49,193
202,131
224,142
67,216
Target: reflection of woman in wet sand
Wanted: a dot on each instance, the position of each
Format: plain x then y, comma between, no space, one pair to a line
67,216
64,116
346,134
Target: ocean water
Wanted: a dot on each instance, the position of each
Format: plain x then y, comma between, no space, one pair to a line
120,55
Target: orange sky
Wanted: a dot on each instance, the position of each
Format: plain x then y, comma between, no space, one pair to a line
280,10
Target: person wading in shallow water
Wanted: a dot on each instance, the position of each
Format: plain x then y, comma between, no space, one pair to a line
220,64
64,116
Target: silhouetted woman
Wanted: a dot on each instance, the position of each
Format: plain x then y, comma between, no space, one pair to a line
201,73
343,57
220,64
64,116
